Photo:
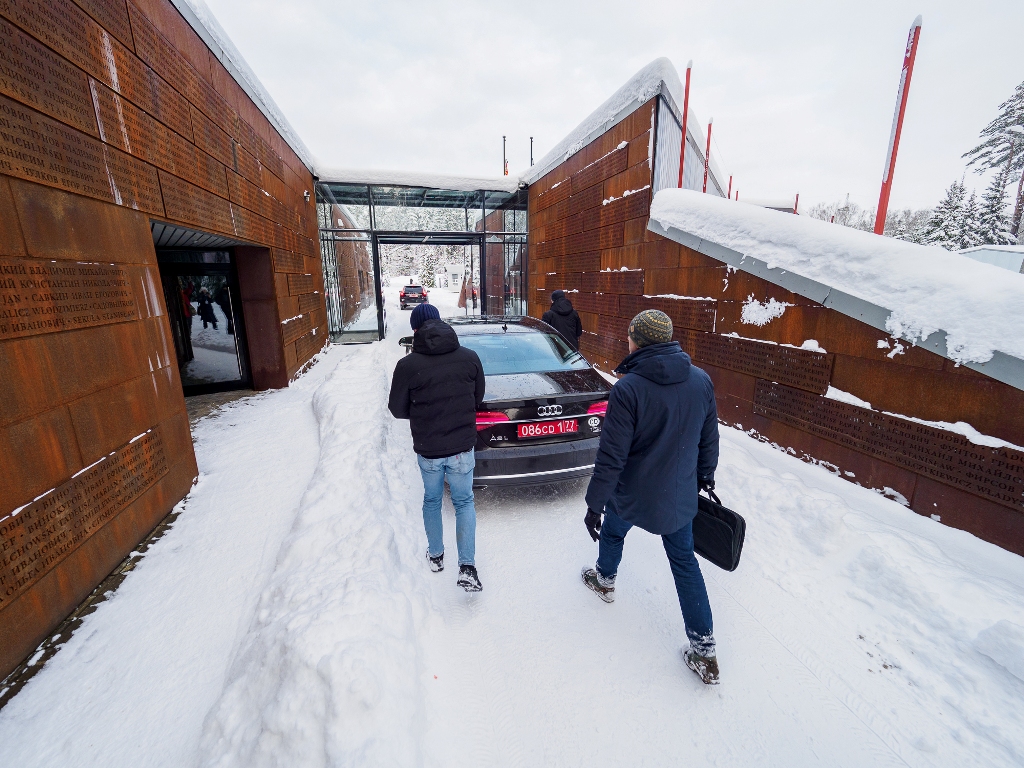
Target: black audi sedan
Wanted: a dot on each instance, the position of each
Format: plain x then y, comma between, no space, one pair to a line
544,406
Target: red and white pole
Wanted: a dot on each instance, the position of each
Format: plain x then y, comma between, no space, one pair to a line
897,124
707,155
686,114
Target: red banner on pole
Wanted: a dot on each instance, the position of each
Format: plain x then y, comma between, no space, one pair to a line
686,114
897,124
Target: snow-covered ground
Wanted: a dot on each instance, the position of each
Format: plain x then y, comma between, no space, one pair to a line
288,618
215,358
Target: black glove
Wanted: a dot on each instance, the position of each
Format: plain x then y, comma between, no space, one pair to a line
706,483
593,523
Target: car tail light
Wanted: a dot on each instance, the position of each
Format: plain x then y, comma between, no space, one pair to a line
485,419
599,409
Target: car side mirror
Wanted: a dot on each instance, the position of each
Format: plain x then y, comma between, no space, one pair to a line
406,341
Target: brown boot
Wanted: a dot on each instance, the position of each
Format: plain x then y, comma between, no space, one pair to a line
706,667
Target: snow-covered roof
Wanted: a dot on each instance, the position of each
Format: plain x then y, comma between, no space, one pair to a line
417,179
658,77
966,311
201,19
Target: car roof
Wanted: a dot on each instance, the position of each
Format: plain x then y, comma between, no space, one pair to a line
471,326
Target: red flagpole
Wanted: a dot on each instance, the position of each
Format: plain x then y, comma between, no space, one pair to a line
897,124
707,155
729,195
686,114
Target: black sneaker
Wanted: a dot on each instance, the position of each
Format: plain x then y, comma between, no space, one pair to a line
468,578
706,667
436,563
603,588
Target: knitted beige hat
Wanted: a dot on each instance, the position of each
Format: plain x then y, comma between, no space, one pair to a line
652,326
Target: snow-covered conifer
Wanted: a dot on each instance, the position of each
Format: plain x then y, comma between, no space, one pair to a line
946,226
994,224
1002,146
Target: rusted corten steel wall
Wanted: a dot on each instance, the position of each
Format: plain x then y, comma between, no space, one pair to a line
113,114
772,391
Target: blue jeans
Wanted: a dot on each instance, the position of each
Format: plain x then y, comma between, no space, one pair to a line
459,470
693,595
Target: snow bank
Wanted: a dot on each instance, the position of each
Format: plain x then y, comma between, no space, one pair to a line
328,673
1003,642
924,288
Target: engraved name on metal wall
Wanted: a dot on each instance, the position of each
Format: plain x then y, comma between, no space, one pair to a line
800,368
996,474
40,535
39,296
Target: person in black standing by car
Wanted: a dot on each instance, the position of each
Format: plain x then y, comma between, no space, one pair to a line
439,388
564,319
659,445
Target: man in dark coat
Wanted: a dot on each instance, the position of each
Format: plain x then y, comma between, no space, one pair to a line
439,387
564,319
659,445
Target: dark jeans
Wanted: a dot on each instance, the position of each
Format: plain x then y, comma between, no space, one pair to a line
693,595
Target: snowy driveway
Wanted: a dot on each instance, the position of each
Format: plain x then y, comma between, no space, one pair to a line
289,619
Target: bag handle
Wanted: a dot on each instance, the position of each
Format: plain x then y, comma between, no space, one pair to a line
712,495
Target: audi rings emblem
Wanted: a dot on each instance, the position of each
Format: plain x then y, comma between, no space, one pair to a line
549,410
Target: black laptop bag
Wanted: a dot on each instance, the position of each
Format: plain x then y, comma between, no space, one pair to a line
718,533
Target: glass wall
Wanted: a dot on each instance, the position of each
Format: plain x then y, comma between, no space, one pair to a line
666,155
477,237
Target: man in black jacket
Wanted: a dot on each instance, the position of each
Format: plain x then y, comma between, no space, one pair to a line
439,388
564,319
659,445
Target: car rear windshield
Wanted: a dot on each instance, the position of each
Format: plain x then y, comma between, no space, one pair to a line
532,352
413,289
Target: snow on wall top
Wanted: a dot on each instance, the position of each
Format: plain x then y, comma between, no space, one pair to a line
658,77
924,288
416,179
201,19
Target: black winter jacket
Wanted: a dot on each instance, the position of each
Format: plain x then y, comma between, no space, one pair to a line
566,320
660,434
439,387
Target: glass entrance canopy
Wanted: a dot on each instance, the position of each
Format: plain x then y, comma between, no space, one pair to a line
354,220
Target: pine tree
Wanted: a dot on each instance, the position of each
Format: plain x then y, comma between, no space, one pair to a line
999,136
970,232
1002,146
428,269
946,226
994,224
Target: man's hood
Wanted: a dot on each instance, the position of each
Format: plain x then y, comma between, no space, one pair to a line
435,337
661,363
562,306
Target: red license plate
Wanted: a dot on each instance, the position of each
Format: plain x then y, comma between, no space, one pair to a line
548,428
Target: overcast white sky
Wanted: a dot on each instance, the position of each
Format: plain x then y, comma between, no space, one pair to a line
802,93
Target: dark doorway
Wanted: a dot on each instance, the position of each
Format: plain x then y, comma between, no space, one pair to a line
205,313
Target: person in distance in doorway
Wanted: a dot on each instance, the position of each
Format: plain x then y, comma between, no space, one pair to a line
659,445
564,319
439,387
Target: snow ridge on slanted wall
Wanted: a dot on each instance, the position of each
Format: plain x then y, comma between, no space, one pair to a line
925,289
201,19
658,77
